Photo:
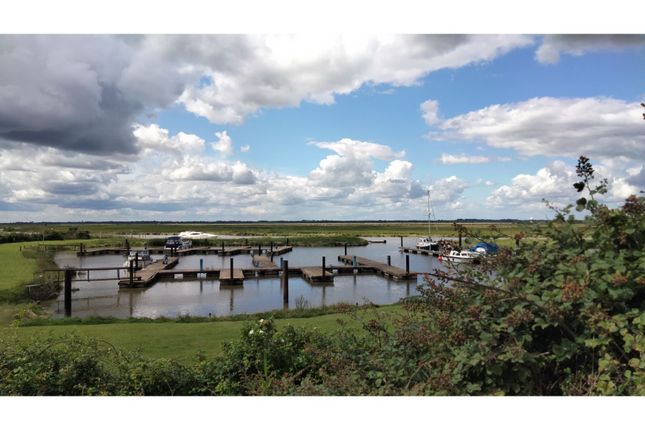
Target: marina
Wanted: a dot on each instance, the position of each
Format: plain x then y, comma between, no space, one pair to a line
257,283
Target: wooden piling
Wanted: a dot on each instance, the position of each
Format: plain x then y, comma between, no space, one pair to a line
322,272
285,281
407,263
68,293
345,249
231,268
401,241
389,260
131,273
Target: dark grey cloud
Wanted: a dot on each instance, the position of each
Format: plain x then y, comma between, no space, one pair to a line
66,92
73,188
577,44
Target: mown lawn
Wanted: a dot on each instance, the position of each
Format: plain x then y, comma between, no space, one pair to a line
183,341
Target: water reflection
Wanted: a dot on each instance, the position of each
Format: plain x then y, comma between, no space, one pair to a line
205,297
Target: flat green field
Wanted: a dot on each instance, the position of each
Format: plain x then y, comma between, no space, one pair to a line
273,229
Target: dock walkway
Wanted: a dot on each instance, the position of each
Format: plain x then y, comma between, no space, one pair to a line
148,275
383,269
421,251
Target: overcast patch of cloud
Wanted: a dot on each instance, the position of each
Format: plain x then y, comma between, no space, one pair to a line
554,45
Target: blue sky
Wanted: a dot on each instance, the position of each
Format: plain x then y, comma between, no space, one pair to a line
314,127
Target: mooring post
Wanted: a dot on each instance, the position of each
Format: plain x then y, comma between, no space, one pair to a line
259,249
285,281
281,261
323,266
354,263
459,239
407,263
345,248
231,267
131,273
401,241
272,247
222,248
68,293
201,264
389,260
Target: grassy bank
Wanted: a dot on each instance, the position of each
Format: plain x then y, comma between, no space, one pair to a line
183,341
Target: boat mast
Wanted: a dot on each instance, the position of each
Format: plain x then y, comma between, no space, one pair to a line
429,213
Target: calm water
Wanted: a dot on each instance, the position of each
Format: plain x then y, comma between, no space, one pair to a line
204,297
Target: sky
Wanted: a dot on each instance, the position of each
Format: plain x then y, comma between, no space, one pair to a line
314,126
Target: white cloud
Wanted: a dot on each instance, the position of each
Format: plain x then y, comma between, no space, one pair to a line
153,138
595,127
245,148
553,45
463,159
224,145
430,110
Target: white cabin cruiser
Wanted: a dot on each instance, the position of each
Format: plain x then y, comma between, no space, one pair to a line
461,256
142,257
196,235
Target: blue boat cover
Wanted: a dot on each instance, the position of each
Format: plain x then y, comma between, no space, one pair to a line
490,248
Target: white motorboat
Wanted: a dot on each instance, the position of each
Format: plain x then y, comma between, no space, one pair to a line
460,256
196,235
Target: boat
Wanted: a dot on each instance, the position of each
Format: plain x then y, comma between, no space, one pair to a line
460,256
427,242
196,235
173,243
141,257
484,248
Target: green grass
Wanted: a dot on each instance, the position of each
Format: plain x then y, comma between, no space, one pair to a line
16,269
183,341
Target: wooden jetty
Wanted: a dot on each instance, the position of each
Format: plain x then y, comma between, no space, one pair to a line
201,250
148,275
421,251
263,262
279,250
226,277
383,269
316,274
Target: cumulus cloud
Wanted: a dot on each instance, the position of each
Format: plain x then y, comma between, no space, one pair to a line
553,45
245,148
224,144
153,138
430,110
596,127
284,70
352,164
555,184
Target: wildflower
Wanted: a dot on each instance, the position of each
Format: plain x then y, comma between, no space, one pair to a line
261,320
251,332
261,332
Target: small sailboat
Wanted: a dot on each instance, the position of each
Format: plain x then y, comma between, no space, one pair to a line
427,242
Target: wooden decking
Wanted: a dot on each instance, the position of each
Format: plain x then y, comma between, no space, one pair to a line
148,275
316,274
263,262
279,250
228,278
205,250
383,269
